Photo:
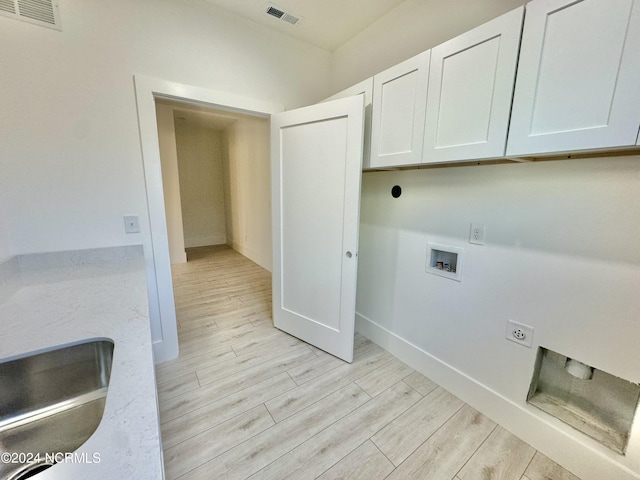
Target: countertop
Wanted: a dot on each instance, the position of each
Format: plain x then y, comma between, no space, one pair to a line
49,300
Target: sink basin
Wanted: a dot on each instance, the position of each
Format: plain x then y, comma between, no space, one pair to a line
50,404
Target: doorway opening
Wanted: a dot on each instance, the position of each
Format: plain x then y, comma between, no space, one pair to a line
216,180
154,233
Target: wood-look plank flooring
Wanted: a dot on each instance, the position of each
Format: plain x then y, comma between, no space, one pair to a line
245,400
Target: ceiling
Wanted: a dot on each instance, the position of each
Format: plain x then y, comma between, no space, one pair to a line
200,116
209,120
324,23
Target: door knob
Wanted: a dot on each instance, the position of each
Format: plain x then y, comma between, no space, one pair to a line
349,254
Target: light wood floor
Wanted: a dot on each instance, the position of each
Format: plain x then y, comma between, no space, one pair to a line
245,400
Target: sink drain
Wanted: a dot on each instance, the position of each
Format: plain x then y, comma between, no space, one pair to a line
30,470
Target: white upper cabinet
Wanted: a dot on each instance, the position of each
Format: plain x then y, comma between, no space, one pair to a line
578,83
471,81
399,102
363,88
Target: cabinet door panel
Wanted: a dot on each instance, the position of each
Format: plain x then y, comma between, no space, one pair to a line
471,81
399,101
578,82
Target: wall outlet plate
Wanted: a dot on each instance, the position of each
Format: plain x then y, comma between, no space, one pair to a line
519,333
476,234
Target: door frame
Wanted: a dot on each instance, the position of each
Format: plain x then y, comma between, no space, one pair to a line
162,313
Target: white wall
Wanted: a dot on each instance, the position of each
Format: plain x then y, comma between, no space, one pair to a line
170,182
5,248
248,189
410,28
561,255
70,144
201,185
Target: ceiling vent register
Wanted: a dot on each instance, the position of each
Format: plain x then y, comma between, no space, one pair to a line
276,12
39,12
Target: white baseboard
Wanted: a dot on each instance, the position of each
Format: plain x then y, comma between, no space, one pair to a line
180,257
252,255
583,456
165,350
205,241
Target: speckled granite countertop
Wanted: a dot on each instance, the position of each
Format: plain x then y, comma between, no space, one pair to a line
50,300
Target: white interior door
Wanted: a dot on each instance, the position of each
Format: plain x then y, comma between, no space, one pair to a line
316,162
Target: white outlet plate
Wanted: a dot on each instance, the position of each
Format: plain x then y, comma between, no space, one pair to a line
519,333
476,234
131,224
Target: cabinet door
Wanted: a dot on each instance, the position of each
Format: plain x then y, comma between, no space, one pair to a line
399,102
364,88
471,81
578,82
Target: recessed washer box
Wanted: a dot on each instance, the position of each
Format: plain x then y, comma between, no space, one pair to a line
445,261
590,400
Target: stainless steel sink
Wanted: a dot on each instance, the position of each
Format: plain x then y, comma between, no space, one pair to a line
51,403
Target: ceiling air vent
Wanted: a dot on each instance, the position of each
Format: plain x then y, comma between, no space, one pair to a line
290,18
39,12
279,14
274,12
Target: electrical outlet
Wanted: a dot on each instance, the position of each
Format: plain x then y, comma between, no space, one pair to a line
519,333
476,234
131,224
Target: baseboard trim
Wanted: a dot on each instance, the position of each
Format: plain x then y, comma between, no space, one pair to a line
251,255
180,257
546,434
205,241
165,350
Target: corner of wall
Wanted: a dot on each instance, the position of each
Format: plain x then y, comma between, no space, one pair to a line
565,448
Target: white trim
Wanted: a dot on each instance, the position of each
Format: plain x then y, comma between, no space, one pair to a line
205,241
155,239
252,255
579,454
180,258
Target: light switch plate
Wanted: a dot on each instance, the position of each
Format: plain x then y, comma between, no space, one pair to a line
131,224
